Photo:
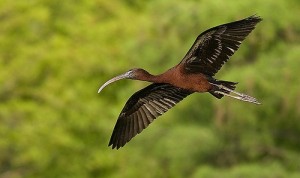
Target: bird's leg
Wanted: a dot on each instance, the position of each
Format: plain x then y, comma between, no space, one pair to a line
240,96
243,98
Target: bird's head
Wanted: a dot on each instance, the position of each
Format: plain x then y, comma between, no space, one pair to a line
135,73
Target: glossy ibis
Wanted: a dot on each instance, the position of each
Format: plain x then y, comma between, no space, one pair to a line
195,73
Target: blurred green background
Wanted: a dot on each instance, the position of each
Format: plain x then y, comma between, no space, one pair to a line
55,54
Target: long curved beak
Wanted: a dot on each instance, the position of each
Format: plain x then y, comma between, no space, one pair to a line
119,77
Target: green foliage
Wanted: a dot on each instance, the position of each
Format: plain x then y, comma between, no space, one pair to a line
266,170
55,54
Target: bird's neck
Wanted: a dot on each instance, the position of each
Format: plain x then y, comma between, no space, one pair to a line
161,78
147,77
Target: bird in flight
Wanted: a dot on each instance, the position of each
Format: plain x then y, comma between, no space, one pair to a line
195,73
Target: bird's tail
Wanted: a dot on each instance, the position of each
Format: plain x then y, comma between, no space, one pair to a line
221,88
216,89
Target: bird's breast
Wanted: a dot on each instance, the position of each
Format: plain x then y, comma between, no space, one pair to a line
192,82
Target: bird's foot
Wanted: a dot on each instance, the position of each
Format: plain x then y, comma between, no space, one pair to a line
239,96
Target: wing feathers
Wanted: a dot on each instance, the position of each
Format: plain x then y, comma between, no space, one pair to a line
215,46
142,108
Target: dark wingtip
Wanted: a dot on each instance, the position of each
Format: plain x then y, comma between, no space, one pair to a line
255,18
114,146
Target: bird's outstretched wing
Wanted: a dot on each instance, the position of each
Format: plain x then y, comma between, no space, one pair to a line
142,108
214,46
